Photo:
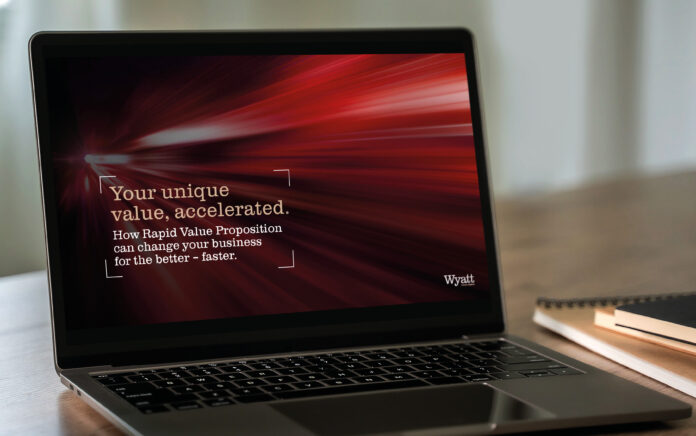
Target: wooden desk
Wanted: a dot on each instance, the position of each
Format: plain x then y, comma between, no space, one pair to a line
624,237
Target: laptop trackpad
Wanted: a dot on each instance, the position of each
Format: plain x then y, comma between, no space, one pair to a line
470,407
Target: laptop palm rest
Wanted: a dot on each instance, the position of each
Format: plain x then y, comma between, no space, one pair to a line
473,408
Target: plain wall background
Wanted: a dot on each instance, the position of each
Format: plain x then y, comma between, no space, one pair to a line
575,91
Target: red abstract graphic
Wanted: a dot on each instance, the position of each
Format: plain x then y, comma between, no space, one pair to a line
383,200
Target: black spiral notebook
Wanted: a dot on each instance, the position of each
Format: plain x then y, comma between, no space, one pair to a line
673,318
610,301
574,320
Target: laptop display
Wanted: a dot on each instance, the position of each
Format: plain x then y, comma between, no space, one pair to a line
194,188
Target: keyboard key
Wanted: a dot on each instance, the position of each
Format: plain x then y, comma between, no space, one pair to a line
396,369
378,356
350,366
338,382
377,363
264,365
209,395
319,368
484,369
204,372
160,396
187,389
291,371
506,375
322,360
277,388
133,388
310,377
370,371
174,374
426,374
217,402
407,353
281,379
430,350
308,385
433,358
142,378
428,366
254,398
407,361
261,373
234,368
183,368
460,348
196,380
296,363
153,409
245,391
482,362
215,386
460,362
249,382
446,380
232,376
398,377
352,358
152,371
114,380
186,405
489,355
369,379
453,372
340,374
477,377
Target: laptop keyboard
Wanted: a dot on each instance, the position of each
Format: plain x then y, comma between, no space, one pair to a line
251,381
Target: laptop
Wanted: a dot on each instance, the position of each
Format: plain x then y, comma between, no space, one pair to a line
288,233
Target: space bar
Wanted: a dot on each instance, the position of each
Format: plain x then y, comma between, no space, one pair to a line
346,389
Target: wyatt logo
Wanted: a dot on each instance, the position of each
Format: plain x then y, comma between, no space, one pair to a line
456,281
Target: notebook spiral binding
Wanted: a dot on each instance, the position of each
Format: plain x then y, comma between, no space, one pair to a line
605,301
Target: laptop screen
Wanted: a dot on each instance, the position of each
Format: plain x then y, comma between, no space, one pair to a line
194,188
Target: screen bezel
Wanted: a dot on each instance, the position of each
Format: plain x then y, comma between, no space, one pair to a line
272,333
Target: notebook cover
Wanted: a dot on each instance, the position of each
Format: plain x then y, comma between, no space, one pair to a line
604,318
673,318
671,367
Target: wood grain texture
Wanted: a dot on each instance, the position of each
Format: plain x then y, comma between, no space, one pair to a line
634,236
623,237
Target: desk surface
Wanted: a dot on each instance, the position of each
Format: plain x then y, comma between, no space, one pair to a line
624,237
